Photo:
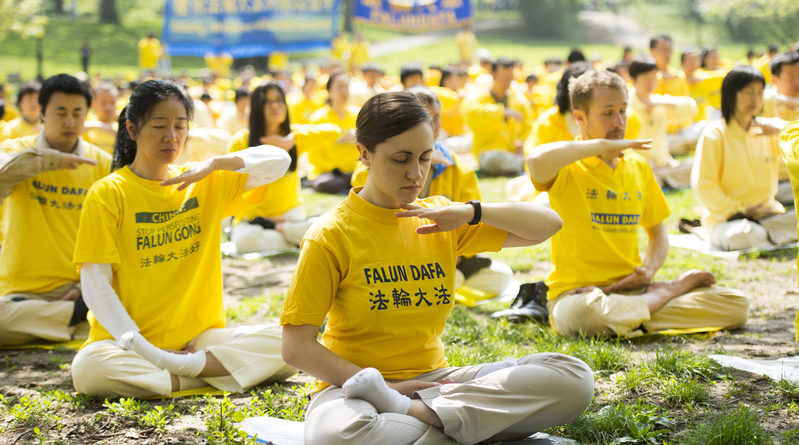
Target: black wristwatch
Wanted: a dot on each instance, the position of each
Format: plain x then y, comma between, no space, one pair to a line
478,211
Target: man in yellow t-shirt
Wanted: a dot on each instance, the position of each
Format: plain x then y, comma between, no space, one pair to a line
789,146
467,42
44,180
653,113
783,100
102,131
29,121
150,51
501,120
603,192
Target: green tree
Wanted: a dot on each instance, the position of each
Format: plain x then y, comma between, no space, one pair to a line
21,17
108,11
748,20
549,18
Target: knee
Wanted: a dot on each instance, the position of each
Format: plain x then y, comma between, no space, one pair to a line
89,373
567,380
580,313
738,311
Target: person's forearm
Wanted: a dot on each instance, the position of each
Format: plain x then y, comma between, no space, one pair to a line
524,220
545,161
657,249
263,164
301,350
17,167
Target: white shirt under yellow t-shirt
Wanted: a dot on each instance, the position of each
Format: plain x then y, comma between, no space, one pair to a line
601,208
386,291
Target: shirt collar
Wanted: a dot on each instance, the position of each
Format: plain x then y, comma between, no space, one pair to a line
79,150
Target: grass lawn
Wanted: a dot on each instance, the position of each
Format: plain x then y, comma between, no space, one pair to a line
650,390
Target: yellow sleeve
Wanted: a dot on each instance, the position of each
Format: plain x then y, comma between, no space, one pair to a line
240,141
313,285
656,209
98,228
468,187
705,175
482,114
320,135
683,112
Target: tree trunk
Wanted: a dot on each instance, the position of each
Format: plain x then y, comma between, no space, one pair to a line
349,11
58,7
108,11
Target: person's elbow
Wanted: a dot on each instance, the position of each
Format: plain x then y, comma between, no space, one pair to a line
539,171
289,349
550,223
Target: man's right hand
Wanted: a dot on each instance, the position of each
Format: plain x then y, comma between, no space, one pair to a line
71,162
612,148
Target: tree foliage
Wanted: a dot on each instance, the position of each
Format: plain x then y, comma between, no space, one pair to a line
22,18
549,18
748,20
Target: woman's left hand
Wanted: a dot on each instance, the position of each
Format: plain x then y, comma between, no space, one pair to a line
444,218
192,175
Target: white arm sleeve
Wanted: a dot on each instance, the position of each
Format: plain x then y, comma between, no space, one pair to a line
104,303
264,164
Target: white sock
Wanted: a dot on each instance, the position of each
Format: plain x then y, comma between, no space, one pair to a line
488,368
368,384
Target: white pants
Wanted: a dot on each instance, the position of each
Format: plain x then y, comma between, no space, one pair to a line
254,238
493,279
542,391
27,317
743,234
250,353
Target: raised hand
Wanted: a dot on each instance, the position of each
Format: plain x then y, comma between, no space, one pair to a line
192,175
444,218
71,162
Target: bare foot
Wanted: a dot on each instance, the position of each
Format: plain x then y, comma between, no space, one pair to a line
658,294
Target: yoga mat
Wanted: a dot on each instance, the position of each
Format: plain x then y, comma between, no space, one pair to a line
786,368
229,250
73,345
285,432
693,242
273,430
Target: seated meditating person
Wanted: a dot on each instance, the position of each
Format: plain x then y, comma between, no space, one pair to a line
736,170
43,182
29,122
782,102
381,271
603,191
500,119
150,263
653,114
450,178
279,221
333,163
789,147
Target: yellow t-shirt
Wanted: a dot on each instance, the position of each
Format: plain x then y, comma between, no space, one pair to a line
773,108
101,138
301,108
284,194
163,245
456,183
43,214
551,126
466,42
673,84
386,291
149,53
486,118
359,54
734,169
18,128
601,208
789,146
452,119
325,157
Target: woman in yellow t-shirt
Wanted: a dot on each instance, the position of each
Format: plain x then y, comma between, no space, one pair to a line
380,268
334,163
278,222
149,256
736,170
